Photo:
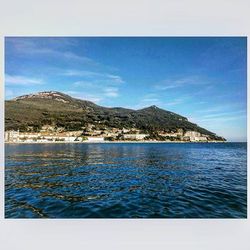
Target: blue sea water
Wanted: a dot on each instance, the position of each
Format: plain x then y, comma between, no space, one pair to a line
125,180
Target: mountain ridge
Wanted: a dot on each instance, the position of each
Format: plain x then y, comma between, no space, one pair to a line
31,112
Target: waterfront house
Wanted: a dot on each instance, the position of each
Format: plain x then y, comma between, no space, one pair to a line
95,139
134,136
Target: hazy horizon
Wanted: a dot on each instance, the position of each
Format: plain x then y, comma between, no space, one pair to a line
203,79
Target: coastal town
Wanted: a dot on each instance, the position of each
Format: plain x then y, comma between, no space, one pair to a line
50,134
52,116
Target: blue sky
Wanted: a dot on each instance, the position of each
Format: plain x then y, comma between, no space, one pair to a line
204,79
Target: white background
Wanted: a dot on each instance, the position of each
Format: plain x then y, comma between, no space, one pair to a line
121,18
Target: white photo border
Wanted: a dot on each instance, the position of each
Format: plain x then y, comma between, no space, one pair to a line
121,18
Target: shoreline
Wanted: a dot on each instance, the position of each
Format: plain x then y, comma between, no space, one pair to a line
113,142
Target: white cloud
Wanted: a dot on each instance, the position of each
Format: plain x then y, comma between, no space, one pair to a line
219,118
97,77
84,73
22,80
115,78
102,84
222,119
180,82
51,48
92,78
227,107
72,56
223,114
111,92
97,87
95,96
174,102
83,84
62,55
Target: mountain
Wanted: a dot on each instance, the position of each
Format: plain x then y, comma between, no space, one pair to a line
31,112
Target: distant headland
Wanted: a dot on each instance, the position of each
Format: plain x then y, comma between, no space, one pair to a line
51,116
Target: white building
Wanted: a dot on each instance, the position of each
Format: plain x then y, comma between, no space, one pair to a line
124,130
69,138
195,136
95,139
15,136
134,136
11,136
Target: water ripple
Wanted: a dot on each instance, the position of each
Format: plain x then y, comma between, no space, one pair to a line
126,181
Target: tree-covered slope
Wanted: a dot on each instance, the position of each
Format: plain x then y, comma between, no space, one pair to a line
60,110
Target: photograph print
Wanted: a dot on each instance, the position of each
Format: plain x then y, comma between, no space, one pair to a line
125,127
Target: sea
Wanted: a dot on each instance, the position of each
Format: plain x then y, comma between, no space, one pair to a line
126,180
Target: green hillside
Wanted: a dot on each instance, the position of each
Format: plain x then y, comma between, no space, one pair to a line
31,112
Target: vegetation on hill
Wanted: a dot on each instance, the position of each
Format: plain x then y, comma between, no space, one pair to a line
31,112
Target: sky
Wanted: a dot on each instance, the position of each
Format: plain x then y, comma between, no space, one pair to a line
201,78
